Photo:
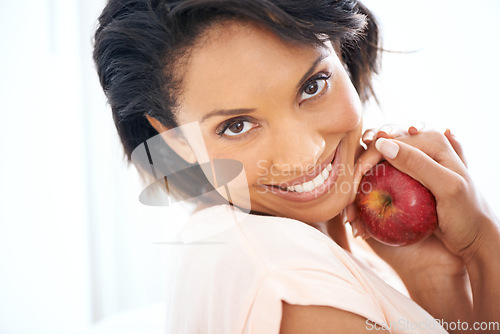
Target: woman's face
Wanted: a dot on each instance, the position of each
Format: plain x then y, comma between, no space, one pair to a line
289,114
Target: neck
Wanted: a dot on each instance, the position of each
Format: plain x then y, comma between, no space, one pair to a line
335,229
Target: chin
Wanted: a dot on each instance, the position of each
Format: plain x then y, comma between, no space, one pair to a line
311,213
324,211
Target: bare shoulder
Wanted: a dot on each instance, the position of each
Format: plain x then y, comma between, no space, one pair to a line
322,320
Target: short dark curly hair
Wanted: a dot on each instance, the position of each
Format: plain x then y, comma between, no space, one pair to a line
138,42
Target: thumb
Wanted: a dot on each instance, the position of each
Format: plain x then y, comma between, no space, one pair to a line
417,164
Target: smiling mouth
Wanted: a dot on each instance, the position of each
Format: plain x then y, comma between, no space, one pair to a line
312,183
309,185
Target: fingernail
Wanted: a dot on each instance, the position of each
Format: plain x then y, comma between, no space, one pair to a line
369,135
386,128
354,230
350,213
344,216
387,147
413,130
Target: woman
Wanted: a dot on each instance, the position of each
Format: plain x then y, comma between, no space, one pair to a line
277,86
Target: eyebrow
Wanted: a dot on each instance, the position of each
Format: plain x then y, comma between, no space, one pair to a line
239,111
228,112
312,68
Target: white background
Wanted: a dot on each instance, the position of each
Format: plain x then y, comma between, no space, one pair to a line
76,246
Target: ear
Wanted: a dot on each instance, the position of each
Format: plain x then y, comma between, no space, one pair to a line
174,140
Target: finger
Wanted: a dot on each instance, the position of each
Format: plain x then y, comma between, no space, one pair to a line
413,131
386,131
351,216
368,136
391,131
456,145
417,164
344,216
350,213
383,134
387,128
437,147
392,134
358,229
365,162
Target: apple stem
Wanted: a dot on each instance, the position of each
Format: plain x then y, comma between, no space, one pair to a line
388,201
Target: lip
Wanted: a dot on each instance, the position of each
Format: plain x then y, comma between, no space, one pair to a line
310,195
311,174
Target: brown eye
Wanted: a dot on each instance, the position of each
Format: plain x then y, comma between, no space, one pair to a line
237,127
234,128
312,88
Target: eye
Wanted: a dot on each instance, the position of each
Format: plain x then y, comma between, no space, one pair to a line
314,87
234,128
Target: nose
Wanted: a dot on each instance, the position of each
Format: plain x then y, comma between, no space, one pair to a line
296,148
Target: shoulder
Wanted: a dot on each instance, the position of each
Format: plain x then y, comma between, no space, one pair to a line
276,264
324,319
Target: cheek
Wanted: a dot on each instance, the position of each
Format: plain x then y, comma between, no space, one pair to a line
342,110
254,161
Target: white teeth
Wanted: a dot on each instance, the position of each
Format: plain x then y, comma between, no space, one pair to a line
298,188
316,182
308,186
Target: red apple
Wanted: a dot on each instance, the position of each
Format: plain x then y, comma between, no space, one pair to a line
395,208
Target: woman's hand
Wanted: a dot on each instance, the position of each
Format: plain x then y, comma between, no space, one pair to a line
385,131
437,161
423,257
425,168
465,221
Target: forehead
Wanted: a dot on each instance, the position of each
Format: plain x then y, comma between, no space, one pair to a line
233,62
244,41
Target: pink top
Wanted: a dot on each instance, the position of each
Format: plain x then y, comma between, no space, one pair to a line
230,271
